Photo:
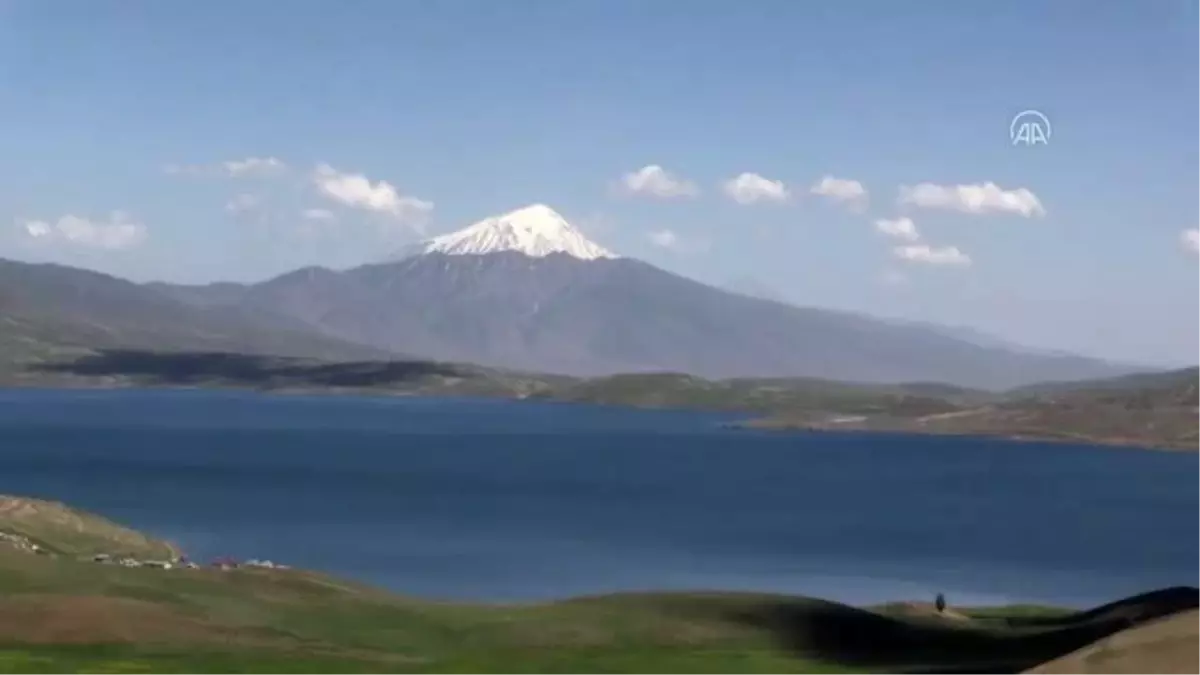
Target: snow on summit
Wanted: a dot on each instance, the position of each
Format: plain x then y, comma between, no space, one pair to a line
536,230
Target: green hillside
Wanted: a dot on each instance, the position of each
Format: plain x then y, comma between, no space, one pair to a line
63,614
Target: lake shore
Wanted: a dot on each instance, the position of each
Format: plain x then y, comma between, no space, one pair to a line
1146,410
929,425
66,614
783,424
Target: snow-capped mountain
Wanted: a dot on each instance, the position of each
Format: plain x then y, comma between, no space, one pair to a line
535,230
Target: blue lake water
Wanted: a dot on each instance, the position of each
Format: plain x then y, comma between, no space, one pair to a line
494,500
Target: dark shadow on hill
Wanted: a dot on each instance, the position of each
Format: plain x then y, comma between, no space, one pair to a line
861,638
1136,609
194,368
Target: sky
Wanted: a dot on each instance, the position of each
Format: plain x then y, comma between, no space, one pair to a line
855,155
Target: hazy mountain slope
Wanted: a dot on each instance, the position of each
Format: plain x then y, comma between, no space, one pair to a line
1181,379
207,295
561,314
630,313
46,309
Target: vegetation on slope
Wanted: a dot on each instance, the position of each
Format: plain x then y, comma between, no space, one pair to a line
669,390
62,614
1156,410
763,395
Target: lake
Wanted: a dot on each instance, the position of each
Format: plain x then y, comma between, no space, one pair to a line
501,500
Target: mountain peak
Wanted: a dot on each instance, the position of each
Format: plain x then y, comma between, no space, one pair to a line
534,214
535,230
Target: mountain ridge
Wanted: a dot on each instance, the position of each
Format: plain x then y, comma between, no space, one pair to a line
556,313
523,290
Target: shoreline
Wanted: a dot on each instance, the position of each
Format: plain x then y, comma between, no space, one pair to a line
751,423
769,424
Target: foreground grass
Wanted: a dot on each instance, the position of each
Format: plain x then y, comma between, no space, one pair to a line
62,614
127,658
133,659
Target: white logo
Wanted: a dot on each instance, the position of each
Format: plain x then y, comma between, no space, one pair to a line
1030,127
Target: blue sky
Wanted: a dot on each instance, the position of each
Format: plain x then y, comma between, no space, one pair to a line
128,126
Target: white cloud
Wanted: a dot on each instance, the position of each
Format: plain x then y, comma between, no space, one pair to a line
936,255
317,214
899,228
356,191
242,203
749,188
674,242
977,198
841,190
655,181
38,229
236,168
253,166
117,232
664,238
1190,240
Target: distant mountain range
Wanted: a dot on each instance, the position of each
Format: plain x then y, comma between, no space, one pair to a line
984,339
756,289
523,290
52,311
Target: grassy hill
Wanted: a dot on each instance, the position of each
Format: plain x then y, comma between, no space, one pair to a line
61,614
677,390
1147,410
123,367
57,529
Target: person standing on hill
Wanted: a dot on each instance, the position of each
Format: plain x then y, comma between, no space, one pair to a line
940,603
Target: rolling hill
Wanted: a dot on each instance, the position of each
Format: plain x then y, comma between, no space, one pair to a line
1146,409
64,612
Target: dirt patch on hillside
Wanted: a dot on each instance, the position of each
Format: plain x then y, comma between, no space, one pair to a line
1167,645
36,619
47,619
